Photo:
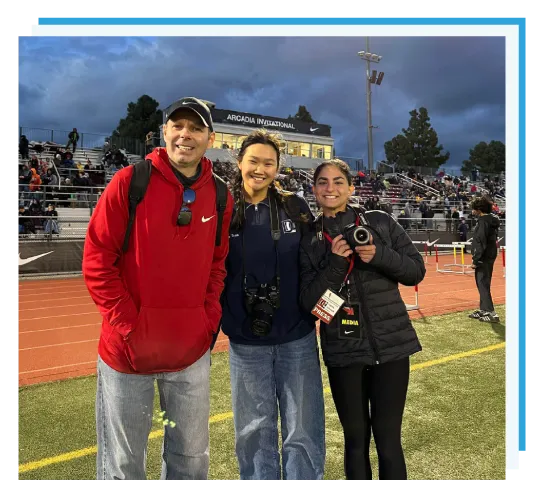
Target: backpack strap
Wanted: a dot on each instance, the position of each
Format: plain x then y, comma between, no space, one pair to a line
221,193
141,173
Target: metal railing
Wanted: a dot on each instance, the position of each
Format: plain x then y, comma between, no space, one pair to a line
52,227
87,140
134,146
417,184
66,196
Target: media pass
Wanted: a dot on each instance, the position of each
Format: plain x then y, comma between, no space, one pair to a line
327,306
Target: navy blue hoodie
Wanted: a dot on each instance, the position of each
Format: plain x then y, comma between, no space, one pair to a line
290,322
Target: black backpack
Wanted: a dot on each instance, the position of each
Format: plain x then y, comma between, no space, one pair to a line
138,185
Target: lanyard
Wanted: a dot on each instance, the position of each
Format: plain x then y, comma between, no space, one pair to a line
351,258
275,231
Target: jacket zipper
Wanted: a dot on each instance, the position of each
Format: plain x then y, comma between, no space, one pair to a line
359,286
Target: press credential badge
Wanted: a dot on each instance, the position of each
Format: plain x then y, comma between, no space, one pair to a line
327,306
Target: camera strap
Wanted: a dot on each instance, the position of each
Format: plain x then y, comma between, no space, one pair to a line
276,233
351,258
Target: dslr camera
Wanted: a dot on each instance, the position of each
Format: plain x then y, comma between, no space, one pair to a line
260,303
356,235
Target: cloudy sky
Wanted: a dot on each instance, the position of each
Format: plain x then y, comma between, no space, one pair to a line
88,82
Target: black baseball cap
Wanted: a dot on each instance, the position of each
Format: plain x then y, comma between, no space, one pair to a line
196,105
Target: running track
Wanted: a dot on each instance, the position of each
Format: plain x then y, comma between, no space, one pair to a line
59,324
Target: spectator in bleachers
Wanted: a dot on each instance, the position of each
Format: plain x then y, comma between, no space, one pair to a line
447,216
403,220
51,224
81,182
455,219
120,160
35,181
25,175
67,159
463,230
73,138
65,192
23,147
106,147
26,225
408,209
35,210
58,159
51,183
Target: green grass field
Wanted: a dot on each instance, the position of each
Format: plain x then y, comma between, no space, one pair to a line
454,423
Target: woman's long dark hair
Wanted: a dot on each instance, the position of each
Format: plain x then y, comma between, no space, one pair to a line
260,137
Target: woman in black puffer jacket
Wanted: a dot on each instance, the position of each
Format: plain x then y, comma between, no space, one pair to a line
367,344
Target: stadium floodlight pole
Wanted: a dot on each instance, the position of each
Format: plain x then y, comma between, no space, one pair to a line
369,57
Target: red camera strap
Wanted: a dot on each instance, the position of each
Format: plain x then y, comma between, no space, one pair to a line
351,259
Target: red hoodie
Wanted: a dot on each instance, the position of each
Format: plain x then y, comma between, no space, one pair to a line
160,300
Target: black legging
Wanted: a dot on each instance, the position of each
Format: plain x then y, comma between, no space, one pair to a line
384,387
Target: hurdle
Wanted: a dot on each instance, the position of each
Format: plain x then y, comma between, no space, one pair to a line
427,247
463,267
413,307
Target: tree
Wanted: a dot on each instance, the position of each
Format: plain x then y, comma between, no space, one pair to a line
418,146
303,115
486,157
142,117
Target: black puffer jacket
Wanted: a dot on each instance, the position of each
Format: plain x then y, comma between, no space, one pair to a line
386,333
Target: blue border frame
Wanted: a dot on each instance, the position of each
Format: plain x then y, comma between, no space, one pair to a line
275,21
531,108
531,272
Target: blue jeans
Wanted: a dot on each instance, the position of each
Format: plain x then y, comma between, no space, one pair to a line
124,413
263,377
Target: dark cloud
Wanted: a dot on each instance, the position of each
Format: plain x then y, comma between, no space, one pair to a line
88,82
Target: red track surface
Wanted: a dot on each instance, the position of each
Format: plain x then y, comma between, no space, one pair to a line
59,324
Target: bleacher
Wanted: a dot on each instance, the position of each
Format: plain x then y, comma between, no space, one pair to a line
73,218
74,204
81,156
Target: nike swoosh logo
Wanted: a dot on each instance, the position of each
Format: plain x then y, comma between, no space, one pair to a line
206,219
313,129
348,332
22,262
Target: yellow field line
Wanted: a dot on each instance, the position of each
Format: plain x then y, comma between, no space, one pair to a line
68,456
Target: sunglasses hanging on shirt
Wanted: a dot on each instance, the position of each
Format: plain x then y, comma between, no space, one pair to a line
185,215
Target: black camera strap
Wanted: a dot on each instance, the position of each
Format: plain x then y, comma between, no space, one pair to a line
360,212
276,233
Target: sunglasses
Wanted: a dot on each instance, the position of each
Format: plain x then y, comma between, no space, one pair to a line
185,215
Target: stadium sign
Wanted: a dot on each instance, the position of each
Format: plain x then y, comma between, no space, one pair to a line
275,123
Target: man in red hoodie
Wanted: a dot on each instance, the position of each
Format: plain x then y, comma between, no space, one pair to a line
159,301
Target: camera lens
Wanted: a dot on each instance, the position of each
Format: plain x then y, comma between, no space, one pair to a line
260,328
356,235
261,319
361,236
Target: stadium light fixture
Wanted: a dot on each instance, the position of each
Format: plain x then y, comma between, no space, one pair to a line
369,57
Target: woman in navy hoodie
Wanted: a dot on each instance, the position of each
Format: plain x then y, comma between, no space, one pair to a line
274,360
